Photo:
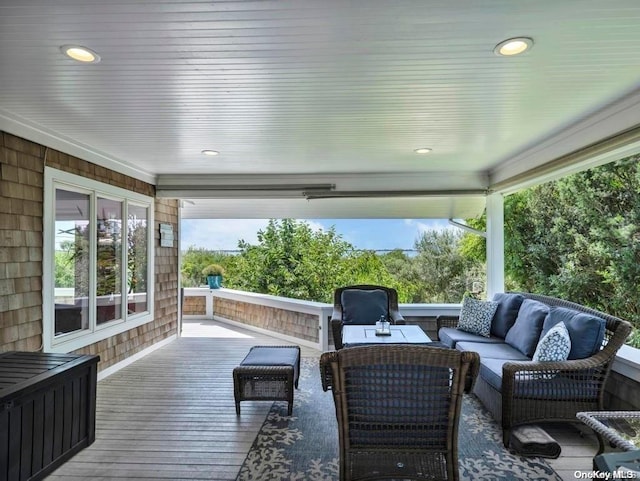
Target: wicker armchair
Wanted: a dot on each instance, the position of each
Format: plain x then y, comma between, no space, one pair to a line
393,314
398,409
551,391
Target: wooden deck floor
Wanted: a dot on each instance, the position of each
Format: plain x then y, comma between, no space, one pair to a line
171,415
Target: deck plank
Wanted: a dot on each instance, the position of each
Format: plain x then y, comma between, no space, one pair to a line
171,415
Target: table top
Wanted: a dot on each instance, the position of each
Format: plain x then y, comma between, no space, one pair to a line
366,334
621,428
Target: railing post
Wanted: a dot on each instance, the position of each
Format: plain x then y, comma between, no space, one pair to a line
209,305
323,328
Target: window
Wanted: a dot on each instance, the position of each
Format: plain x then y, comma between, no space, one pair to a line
98,261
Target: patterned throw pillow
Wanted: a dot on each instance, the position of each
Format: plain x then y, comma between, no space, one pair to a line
555,345
476,316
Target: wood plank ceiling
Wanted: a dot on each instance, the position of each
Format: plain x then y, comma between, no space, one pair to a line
312,88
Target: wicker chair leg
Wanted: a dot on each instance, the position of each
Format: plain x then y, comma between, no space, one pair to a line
600,443
293,385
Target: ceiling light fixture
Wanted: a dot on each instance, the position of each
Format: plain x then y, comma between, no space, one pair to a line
210,152
423,150
80,54
513,46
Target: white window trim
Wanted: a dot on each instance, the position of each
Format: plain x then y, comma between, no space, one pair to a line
77,340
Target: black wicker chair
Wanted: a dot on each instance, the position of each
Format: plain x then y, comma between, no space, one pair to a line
398,409
337,318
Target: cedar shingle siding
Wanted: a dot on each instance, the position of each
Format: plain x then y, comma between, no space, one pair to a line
21,211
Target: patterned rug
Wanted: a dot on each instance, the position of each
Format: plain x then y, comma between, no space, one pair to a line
304,447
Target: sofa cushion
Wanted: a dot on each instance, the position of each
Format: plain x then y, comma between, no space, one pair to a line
491,372
585,330
487,350
506,313
525,333
362,306
475,316
450,336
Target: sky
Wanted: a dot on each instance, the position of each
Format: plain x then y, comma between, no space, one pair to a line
375,234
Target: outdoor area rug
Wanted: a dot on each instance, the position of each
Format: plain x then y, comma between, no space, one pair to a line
304,447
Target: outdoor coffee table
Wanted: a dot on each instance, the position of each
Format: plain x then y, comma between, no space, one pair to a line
357,335
620,428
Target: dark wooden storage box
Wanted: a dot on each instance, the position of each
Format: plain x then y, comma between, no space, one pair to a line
47,411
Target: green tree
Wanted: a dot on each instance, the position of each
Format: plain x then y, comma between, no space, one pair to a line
367,267
445,273
578,238
407,279
194,259
474,246
64,267
291,260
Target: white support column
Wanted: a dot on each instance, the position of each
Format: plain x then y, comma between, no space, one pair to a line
495,244
180,287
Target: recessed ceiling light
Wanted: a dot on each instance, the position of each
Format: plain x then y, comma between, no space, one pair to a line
513,46
210,152
422,150
80,54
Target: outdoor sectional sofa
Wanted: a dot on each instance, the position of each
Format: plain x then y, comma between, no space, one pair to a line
518,390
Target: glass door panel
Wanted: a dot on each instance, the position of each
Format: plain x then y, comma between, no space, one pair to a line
137,240
108,260
72,262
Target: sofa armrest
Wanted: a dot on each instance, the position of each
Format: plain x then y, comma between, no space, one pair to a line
473,371
446,321
579,377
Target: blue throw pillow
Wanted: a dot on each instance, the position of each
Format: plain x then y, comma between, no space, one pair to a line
475,316
586,331
505,317
525,333
363,306
553,346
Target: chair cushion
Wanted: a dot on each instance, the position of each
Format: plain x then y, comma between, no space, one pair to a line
506,313
450,336
493,350
525,333
271,356
585,330
363,306
476,316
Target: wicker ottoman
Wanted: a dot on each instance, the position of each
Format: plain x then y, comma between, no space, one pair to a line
267,373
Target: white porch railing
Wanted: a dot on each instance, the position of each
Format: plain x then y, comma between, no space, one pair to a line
307,322
304,322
